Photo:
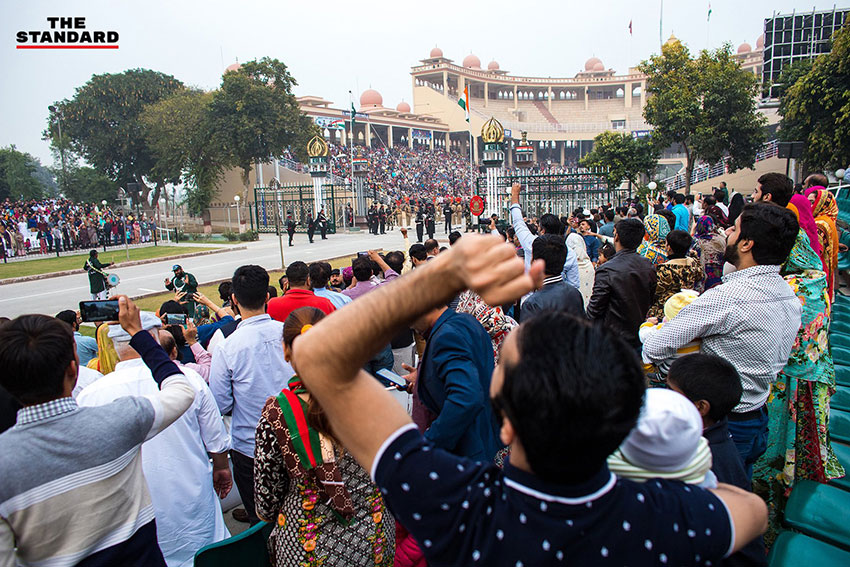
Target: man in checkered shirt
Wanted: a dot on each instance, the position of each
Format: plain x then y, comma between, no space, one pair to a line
751,319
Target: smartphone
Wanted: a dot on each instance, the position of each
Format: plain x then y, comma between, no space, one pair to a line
392,378
175,319
362,254
101,310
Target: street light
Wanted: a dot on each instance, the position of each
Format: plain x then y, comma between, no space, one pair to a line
652,185
840,173
237,198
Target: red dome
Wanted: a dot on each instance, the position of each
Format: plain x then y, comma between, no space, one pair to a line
590,64
436,52
599,67
760,42
471,62
403,107
744,48
371,99
233,67
493,66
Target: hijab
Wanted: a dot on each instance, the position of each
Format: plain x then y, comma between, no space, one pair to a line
654,245
801,207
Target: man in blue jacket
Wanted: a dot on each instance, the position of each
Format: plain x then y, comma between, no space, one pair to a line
453,383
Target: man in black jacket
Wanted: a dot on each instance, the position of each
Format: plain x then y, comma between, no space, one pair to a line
556,294
624,287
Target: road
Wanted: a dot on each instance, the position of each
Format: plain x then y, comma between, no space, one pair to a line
50,296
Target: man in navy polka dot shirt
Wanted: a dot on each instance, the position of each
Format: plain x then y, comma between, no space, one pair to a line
567,394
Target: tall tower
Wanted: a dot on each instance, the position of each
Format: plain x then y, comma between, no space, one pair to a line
361,171
493,136
317,150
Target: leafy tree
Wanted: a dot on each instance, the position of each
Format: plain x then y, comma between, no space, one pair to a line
255,115
816,107
177,129
102,124
707,104
88,185
17,175
626,157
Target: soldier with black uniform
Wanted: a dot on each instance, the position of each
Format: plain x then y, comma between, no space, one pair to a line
290,227
322,221
311,227
420,223
447,216
382,219
430,220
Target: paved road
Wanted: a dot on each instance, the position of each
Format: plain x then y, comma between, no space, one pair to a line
52,295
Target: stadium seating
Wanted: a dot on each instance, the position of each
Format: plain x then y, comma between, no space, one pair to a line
247,549
818,510
839,426
842,375
842,453
841,399
793,550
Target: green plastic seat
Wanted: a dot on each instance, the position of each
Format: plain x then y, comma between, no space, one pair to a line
839,340
795,550
842,453
842,375
841,398
844,238
841,355
247,549
839,426
819,510
840,326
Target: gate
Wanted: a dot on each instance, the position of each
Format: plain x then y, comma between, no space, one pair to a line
556,193
272,205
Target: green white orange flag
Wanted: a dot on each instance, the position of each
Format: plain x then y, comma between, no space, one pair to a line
463,101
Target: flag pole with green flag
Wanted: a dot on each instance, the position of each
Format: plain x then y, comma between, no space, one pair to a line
463,102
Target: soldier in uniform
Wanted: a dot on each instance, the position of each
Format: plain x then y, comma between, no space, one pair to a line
290,227
183,282
311,227
322,221
97,280
420,223
382,219
447,216
430,220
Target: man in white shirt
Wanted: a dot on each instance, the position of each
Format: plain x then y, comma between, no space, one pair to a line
247,368
181,480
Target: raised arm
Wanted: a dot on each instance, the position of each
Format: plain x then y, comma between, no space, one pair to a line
520,228
329,357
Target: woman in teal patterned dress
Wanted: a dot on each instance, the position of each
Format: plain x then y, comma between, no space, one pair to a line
798,441
654,245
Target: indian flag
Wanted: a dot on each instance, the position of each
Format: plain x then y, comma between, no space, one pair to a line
463,101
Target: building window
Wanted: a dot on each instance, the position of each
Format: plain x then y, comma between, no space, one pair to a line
618,124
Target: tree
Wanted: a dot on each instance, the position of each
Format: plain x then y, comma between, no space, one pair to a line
626,157
816,107
177,129
88,185
102,125
707,105
17,175
255,115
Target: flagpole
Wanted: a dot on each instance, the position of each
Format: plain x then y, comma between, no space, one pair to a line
351,163
661,25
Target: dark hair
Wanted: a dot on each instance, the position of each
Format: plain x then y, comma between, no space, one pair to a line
280,280
320,273
608,214
551,224
778,186
35,351
92,253
689,199
671,193
172,306
395,260
710,378
679,242
177,332
69,317
292,328
679,198
567,396
736,205
431,245
552,249
454,236
418,251
668,216
817,179
362,268
272,291
297,273
250,286
607,250
167,341
224,290
591,224
708,201
773,230
630,233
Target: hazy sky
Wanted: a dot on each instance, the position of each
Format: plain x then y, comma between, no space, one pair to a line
332,47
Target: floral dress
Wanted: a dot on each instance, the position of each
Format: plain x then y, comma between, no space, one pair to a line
798,445
674,276
309,529
710,247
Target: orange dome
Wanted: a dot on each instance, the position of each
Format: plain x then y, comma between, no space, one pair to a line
471,62
403,107
599,67
760,42
744,48
371,99
436,52
233,67
493,66
592,63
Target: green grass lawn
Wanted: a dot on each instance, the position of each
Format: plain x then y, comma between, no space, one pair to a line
47,265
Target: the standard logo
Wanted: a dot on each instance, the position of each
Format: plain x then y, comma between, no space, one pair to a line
67,33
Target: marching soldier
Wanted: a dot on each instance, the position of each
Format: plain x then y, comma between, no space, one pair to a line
430,215
322,220
290,227
183,282
420,223
382,219
447,216
311,227
97,279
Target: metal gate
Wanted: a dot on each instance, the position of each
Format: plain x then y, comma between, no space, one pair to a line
271,206
556,193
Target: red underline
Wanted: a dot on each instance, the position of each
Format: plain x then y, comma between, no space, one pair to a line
66,46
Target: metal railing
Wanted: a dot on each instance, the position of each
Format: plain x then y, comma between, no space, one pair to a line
706,171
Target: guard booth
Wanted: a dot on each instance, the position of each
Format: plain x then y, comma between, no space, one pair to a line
559,194
272,205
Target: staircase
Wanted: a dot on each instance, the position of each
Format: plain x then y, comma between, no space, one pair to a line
544,110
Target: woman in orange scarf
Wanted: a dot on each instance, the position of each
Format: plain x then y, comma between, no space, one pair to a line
825,211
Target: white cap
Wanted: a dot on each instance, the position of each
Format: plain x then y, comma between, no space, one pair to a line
149,321
667,434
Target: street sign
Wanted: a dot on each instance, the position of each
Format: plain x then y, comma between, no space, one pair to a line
476,205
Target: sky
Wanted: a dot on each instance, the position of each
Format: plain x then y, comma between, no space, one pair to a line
333,47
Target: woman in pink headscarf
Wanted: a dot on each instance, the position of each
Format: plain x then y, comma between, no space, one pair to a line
802,209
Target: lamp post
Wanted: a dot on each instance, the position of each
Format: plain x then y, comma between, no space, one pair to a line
164,219
58,111
237,198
